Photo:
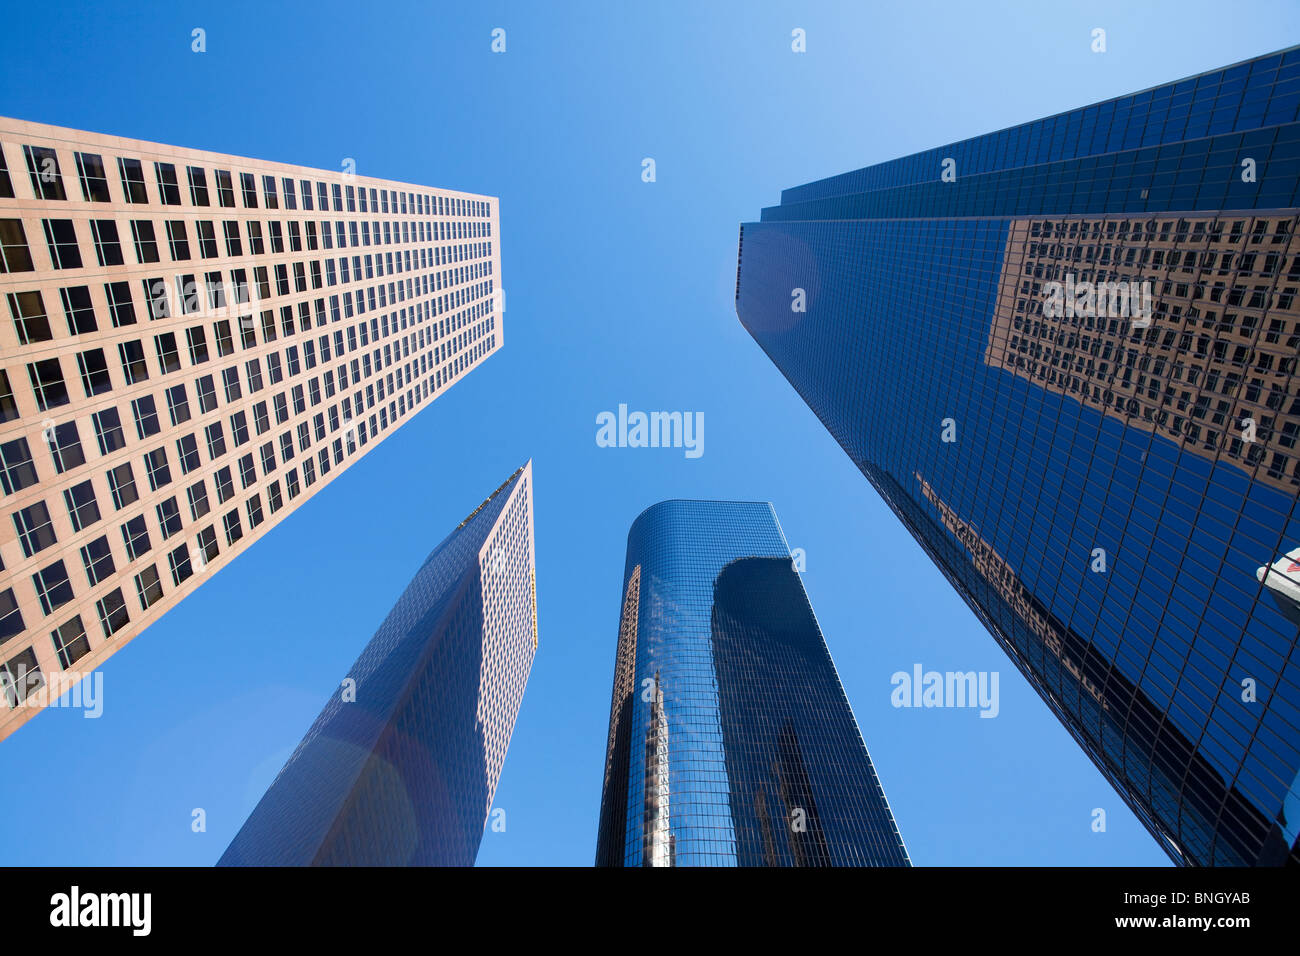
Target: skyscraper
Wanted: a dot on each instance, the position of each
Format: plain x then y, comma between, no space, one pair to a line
731,742
1065,356
402,763
191,346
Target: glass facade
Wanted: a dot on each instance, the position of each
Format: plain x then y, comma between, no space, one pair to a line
402,763
1065,356
731,742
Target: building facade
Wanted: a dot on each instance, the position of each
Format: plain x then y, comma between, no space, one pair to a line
731,742
1065,356
401,765
191,346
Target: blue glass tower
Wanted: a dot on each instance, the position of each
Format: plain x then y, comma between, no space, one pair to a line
402,763
1065,356
731,742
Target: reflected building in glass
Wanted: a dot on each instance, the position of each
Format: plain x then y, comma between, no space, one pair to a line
1065,356
731,742
401,765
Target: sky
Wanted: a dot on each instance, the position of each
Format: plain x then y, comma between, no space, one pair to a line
617,291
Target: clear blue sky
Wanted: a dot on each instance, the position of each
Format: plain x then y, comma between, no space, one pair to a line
618,291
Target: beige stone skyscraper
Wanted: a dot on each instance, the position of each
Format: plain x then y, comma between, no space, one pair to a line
192,345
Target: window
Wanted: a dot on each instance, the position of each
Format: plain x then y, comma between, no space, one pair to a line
112,612
274,500
14,254
20,676
6,184
155,291
94,372
82,507
169,358
230,379
197,341
187,447
178,406
225,189
132,180
225,342
155,466
254,509
98,559
148,587
207,239
53,587
225,485
239,428
179,562
17,471
94,178
206,542
108,248
62,240
65,446
230,521
290,199
207,393
255,244
8,406
70,642
268,189
216,441
146,241
248,186
178,240
47,382
121,483
78,310
120,307
133,365
169,517
247,471
261,420
146,416
30,320
167,187
108,429
11,619
35,529
198,185
135,536
43,166
234,246
197,494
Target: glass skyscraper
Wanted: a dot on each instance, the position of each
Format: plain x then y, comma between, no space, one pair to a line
1065,356
731,742
402,763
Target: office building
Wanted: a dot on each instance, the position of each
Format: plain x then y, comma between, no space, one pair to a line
1064,354
192,345
401,765
731,742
